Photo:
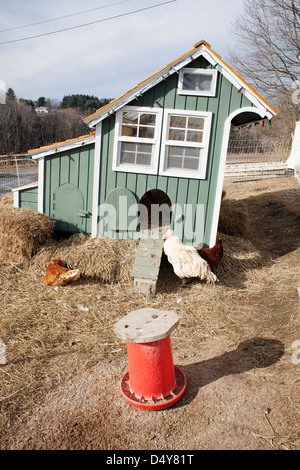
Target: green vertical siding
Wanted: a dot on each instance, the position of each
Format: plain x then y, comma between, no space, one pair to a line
180,190
28,198
71,167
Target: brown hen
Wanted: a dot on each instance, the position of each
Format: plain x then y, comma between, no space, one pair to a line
212,255
58,275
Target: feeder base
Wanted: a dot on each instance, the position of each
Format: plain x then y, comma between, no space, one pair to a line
157,403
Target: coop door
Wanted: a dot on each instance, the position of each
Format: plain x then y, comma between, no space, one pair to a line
68,208
118,216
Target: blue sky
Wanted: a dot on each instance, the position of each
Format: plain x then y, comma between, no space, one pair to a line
109,57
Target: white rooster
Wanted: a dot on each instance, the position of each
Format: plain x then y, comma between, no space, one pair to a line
186,261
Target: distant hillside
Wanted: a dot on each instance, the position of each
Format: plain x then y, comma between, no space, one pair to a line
26,124
87,104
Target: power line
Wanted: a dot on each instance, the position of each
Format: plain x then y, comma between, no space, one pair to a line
87,24
62,17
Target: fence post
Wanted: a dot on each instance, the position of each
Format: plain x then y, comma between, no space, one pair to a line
293,161
17,170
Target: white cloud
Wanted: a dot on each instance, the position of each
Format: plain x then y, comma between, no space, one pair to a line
107,58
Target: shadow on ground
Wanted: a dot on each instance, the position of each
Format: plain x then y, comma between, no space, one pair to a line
250,354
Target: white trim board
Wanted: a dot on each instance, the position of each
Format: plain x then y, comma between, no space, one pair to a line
96,180
160,143
41,185
169,70
221,173
197,71
62,148
182,173
25,186
155,142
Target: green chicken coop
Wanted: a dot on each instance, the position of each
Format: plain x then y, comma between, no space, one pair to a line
164,141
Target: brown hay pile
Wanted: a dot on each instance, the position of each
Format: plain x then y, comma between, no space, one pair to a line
105,260
234,217
239,255
6,201
26,237
22,232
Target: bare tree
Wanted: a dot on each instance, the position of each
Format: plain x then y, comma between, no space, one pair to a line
267,51
21,128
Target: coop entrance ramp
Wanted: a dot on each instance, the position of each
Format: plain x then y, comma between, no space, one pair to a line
147,262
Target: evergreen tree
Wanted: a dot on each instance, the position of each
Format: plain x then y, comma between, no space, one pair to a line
11,94
87,104
41,101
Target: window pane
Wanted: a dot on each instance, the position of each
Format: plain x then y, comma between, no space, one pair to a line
195,123
183,157
192,152
130,131
197,81
147,119
146,132
144,153
176,134
178,121
145,148
127,152
205,82
194,136
189,81
140,154
127,157
128,147
175,156
174,162
175,151
143,159
130,117
191,163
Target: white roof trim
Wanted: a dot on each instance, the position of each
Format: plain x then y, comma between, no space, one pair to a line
239,83
25,186
145,86
62,147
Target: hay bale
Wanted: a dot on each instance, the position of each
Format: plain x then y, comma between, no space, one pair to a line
100,259
234,217
22,232
7,201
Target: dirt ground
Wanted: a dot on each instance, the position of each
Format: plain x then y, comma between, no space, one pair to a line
235,342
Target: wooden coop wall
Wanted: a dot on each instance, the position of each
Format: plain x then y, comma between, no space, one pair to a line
180,190
28,198
68,188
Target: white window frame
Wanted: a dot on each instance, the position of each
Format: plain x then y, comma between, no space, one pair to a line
204,145
211,92
132,167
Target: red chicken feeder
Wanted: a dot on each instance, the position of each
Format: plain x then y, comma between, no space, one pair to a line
152,382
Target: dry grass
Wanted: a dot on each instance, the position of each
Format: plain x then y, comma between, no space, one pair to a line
234,217
40,325
102,260
240,255
53,335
